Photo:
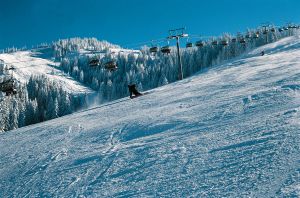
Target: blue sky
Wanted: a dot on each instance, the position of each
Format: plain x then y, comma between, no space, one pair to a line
30,22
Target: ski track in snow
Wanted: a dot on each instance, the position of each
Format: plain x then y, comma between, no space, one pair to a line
232,131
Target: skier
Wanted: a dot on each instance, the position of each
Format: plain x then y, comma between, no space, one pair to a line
262,53
132,90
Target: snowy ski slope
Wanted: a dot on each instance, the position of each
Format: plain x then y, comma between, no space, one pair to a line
33,62
232,131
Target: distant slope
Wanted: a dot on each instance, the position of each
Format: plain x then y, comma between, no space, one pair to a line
29,63
233,131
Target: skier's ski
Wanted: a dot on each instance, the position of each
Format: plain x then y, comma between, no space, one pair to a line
146,93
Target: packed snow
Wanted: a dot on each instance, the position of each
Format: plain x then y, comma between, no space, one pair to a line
34,62
231,131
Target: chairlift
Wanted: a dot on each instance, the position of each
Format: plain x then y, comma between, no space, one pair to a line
199,43
111,65
11,68
8,87
188,45
273,29
242,41
224,42
154,49
94,62
265,31
214,42
165,50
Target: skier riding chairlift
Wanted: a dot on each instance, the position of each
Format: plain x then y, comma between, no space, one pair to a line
133,91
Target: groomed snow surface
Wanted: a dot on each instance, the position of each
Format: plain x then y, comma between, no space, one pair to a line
232,131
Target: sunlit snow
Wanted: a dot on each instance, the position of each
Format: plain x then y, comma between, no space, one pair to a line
231,131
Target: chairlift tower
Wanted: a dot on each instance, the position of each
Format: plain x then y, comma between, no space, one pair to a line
290,27
265,31
177,34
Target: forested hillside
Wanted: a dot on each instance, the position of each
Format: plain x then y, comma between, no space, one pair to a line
45,97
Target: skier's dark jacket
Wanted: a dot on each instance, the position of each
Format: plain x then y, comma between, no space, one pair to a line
132,90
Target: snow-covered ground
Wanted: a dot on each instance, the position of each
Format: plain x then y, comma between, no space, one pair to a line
29,63
232,131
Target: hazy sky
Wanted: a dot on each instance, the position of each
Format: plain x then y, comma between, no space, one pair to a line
30,22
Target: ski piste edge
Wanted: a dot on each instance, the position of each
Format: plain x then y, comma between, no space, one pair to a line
115,102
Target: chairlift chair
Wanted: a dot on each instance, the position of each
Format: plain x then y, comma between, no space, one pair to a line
188,45
256,36
111,65
242,41
12,68
224,42
199,43
273,29
214,42
166,50
94,62
154,49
